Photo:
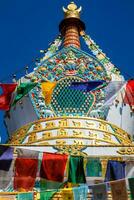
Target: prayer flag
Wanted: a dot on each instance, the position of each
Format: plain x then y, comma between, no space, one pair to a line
93,167
112,91
8,88
131,187
25,173
80,192
119,190
76,170
115,170
6,157
22,90
30,158
49,185
7,197
53,166
67,194
104,167
5,97
6,167
25,196
129,169
47,90
129,93
26,153
87,86
100,191
47,195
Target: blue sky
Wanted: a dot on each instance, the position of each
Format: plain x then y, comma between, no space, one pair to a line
26,26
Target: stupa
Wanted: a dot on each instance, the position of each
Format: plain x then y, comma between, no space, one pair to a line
56,118
77,102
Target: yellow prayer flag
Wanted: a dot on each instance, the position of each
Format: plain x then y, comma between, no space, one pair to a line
47,90
104,167
67,193
119,190
8,197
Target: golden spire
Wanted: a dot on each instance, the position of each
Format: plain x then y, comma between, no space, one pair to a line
72,11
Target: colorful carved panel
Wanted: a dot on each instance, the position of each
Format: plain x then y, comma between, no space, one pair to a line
67,66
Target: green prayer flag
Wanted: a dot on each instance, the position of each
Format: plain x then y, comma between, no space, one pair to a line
93,167
48,185
47,195
76,170
131,187
22,90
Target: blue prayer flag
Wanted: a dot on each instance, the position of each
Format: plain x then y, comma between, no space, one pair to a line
87,86
6,157
115,170
6,167
80,192
100,191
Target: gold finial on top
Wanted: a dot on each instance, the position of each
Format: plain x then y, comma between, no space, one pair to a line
72,11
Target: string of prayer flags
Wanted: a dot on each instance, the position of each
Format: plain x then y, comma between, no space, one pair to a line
53,166
80,192
52,172
131,187
93,167
87,86
47,90
115,170
5,97
119,190
6,167
25,170
53,48
104,60
22,90
100,191
76,172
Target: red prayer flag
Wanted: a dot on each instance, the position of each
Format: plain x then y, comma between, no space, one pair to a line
53,166
5,97
8,87
25,173
129,93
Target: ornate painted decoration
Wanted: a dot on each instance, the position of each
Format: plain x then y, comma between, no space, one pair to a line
112,70
68,65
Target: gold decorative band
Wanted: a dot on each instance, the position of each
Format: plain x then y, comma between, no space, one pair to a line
82,129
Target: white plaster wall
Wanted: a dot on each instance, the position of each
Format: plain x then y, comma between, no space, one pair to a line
20,115
122,116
